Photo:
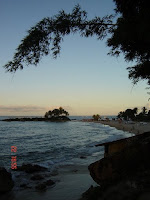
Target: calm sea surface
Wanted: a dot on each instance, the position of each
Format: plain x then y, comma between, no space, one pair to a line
53,144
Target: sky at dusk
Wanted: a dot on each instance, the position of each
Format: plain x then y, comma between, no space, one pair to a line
84,80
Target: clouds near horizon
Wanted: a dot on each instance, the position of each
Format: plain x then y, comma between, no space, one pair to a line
27,109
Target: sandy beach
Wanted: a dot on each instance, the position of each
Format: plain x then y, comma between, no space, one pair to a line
132,127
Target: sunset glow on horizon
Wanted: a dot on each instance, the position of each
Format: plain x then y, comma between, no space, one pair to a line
83,79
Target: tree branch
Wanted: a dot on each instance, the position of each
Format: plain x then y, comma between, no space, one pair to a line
46,36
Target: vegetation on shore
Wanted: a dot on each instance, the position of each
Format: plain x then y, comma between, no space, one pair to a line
57,115
132,114
96,117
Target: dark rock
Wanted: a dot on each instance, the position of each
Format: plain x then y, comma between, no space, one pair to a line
83,157
23,185
58,119
37,177
49,182
54,173
123,175
131,163
28,168
120,191
52,119
75,170
93,193
6,182
41,187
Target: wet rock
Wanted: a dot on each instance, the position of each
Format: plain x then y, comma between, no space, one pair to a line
54,172
23,185
52,119
120,191
28,168
37,177
6,182
83,157
93,193
75,170
49,182
41,187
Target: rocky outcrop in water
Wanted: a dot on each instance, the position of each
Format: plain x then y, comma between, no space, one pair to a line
6,182
39,119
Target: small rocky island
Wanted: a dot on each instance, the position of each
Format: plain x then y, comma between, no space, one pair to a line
56,115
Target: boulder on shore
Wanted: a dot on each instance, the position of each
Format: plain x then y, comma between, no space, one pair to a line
37,177
43,186
122,175
6,182
126,164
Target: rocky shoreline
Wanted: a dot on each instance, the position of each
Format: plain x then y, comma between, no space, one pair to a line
35,182
38,119
33,172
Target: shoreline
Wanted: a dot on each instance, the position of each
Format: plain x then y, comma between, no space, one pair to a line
131,127
134,127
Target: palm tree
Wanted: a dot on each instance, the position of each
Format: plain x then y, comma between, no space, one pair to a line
144,111
46,115
49,113
66,113
135,111
61,110
56,113
96,117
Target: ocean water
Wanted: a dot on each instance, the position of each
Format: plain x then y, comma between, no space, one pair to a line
53,144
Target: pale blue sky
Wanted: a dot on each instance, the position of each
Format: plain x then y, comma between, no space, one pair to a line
83,79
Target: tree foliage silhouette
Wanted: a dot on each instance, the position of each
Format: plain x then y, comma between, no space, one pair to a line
56,113
96,117
128,114
128,35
